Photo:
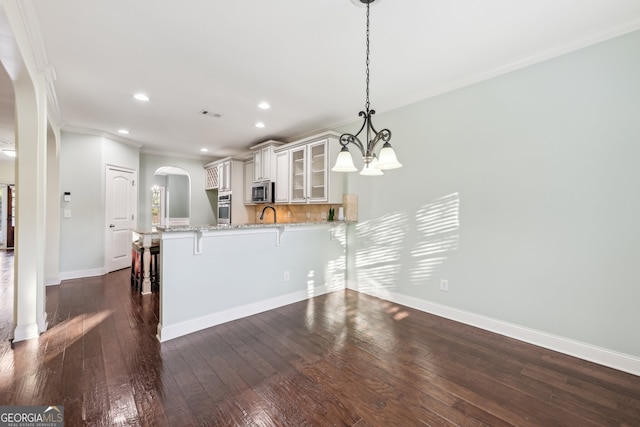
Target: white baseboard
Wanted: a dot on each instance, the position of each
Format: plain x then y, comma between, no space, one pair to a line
52,281
80,274
26,332
166,333
620,361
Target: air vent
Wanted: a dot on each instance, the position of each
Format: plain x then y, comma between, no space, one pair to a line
210,114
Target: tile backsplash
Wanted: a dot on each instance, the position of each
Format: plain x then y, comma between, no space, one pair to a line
293,213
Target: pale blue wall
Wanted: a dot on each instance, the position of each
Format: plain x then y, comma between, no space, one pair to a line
201,211
239,269
522,191
7,171
83,161
178,189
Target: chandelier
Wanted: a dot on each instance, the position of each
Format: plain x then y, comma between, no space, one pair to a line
373,164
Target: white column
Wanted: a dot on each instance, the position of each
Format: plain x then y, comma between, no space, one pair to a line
52,218
30,91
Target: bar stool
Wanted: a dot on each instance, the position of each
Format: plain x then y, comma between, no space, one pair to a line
154,267
136,266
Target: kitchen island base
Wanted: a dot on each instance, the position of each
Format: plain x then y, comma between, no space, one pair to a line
214,276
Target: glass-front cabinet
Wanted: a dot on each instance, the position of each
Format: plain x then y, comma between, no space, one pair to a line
298,170
309,173
317,188
303,170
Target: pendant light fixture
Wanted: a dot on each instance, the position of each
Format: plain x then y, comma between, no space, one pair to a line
373,164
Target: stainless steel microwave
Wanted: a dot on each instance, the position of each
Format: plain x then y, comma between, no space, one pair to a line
262,192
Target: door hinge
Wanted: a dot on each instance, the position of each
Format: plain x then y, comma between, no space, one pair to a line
132,217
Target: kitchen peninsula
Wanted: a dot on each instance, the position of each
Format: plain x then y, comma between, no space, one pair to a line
215,274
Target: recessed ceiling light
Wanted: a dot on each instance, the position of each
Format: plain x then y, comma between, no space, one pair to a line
264,105
123,131
204,150
259,125
141,97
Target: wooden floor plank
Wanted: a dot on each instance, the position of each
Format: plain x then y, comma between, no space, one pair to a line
339,359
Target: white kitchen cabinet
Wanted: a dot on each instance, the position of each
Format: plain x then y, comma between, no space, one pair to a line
282,177
310,176
224,176
231,179
264,161
248,181
211,178
298,175
308,173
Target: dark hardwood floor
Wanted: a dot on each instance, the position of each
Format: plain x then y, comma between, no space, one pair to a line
340,359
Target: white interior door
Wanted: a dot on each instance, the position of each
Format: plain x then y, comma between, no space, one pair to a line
121,212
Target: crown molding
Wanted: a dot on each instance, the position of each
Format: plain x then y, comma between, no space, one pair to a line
518,64
38,50
103,134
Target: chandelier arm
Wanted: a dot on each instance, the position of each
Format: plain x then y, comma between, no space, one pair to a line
384,135
347,138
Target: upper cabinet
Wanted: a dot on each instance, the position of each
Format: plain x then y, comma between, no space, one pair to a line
248,181
282,177
264,167
210,177
225,175
308,176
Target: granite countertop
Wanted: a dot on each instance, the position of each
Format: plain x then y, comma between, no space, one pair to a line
223,227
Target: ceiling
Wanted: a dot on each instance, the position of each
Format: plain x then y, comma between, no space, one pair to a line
306,59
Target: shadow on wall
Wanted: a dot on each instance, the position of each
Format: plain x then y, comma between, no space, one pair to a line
381,241
437,225
335,270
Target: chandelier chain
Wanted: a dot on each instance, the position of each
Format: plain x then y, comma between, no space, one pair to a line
367,62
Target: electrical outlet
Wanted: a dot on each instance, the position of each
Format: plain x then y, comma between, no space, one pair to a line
444,285
286,275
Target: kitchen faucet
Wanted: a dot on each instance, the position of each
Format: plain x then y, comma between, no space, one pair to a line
274,213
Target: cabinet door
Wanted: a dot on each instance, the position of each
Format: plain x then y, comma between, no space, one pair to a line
267,154
221,177
257,166
248,181
317,172
227,175
282,177
224,176
297,175
211,178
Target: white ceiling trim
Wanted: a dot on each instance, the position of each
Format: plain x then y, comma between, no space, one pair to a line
36,40
101,134
514,66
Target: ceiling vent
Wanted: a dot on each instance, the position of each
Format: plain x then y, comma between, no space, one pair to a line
210,114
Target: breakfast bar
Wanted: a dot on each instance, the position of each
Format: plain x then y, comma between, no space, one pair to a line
214,274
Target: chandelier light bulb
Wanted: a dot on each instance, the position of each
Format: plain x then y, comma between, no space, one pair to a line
388,159
344,162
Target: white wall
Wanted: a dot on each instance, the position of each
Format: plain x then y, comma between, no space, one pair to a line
241,272
521,191
7,171
201,210
83,160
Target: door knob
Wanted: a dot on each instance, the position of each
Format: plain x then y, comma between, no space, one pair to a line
112,226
